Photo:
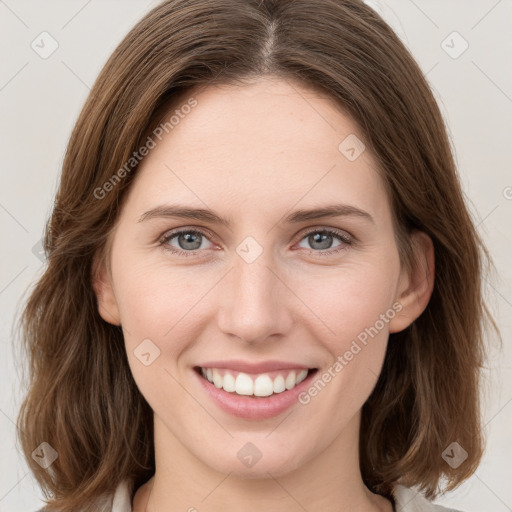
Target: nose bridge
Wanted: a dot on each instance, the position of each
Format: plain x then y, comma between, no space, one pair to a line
253,306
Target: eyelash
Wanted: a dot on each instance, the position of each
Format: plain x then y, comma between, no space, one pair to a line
164,241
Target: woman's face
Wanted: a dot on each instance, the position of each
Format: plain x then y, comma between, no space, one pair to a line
270,284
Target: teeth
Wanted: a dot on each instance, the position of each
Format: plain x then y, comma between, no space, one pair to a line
244,384
290,380
301,376
217,378
279,386
229,383
262,385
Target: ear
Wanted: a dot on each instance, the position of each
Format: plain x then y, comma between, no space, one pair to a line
415,287
102,285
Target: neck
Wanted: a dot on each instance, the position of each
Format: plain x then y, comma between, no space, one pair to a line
330,481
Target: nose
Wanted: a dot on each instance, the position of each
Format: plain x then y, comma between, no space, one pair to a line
255,301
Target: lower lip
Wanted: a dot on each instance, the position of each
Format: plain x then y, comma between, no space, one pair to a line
252,407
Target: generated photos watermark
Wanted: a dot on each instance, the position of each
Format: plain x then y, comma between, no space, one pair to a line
343,359
151,143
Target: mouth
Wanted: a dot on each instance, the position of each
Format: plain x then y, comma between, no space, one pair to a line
254,396
255,385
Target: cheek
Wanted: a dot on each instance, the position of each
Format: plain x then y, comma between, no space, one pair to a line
153,298
151,295
156,299
350,299
157,315
355,307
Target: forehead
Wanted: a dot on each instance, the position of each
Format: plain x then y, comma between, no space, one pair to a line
270,142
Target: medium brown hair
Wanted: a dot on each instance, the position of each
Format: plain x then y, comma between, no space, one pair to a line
82,398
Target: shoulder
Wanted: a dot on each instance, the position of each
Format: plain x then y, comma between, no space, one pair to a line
406,500
117,501
409,500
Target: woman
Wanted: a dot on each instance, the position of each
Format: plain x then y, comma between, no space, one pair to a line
263,288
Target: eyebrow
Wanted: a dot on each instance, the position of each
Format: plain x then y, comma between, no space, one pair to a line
206,215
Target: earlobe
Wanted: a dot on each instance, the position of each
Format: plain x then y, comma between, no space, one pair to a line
415,287
105,297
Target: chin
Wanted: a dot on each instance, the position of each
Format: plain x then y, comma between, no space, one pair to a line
240,466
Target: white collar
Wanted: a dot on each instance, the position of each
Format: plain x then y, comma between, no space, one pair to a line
409,500
122,501
406,500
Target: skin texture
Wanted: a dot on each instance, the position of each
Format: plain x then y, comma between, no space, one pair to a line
254,154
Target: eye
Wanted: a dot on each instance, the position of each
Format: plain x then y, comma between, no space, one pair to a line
321,241
189,241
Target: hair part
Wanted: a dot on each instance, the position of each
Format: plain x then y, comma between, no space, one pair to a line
82,398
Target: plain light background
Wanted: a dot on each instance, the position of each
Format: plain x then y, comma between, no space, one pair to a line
463,47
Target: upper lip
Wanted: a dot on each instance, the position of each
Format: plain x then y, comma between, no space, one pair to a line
247,367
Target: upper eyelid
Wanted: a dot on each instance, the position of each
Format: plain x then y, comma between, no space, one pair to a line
173,232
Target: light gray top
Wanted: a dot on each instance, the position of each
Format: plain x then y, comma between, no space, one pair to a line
406,500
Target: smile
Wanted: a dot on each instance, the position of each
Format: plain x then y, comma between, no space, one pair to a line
255,396
264,384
